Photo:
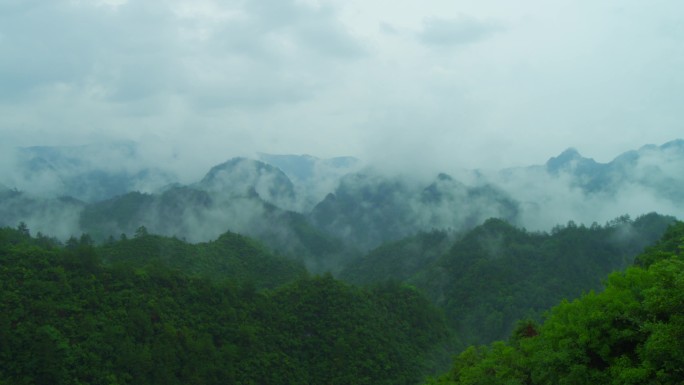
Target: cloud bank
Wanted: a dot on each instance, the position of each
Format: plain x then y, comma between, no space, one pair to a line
425,85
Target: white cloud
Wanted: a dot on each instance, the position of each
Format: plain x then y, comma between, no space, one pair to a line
485,84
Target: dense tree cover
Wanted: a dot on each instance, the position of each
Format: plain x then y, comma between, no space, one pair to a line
369,208
68,318
198,215
497,273
231,256
290,234
399,260
631,333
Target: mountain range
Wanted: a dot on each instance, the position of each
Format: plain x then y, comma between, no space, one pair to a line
323,211
475,244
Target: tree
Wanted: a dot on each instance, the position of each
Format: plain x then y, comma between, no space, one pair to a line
24,230
141,232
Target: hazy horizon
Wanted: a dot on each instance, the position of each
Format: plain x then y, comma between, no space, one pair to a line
413,84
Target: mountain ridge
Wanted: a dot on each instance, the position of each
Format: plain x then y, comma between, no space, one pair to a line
362,206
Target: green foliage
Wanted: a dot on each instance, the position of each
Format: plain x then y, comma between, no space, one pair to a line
398,260
199,215
497,273
671,243
293,236
65,318
231,256
124,213
631,333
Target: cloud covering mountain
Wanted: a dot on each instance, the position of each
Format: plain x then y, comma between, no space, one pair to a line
417,85
323,211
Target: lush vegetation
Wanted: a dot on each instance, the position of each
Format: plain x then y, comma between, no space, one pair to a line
631,333
198,215
148,309
496,274
399,260
117,314
231,256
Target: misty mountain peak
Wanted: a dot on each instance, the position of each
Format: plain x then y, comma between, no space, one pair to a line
569,160
674,147
569,154
244,177
302,168
677,144
90,172
444,177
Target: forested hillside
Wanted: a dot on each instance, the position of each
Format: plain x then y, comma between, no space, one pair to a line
159,310
324,212
124,313
170,287
229,257
630,333
488,278
328,192
196,215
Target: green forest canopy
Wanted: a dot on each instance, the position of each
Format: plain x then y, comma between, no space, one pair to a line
67,318
631,333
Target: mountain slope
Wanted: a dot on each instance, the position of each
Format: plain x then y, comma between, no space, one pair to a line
497,273
368,208
88,173
241,177
491,276
65,318
357,211
628,334
229,257
199,216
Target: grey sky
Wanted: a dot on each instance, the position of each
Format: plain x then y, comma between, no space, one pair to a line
435,82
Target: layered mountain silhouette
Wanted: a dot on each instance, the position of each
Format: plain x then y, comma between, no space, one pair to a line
89,173
324,211
370,208
653,167
495,274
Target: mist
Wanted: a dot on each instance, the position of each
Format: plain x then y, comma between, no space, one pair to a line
324,212
354,121
421,87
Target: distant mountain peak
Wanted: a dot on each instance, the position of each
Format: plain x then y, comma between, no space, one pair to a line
568,160
305,167
251,178
243,169
677,144
569,154
444,177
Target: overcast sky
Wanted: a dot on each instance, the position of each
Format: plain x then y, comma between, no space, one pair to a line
443,83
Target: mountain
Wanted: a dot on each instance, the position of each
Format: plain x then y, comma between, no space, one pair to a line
88,173
369,208
58,217
398,260
572,187
571,160
313,177
66,317
199,215
630,333
231,257
242,177
325,211
489,277
305,168
650,167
